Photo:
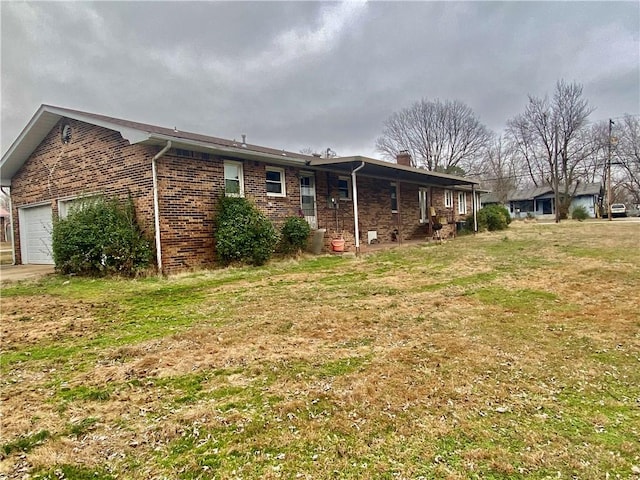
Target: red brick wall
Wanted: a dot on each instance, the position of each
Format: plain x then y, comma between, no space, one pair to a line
450,214
276,208
96,160
189,191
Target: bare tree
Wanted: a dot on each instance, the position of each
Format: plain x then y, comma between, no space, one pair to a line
549,139
596,140
440,136
531,137
627,157
325,153
499,171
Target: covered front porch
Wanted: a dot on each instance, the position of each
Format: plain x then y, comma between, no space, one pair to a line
371,202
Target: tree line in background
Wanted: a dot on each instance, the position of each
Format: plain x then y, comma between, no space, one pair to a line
551,143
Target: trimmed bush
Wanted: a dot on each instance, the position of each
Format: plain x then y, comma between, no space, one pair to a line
491,217
100,237
579,213
243,234
294,235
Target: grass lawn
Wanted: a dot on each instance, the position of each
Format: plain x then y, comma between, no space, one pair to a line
506,355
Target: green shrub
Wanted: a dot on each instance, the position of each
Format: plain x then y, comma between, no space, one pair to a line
243,233
492,218
579,213
100,237
294,235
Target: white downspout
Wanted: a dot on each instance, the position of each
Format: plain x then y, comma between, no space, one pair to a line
355,205
156,203
13,242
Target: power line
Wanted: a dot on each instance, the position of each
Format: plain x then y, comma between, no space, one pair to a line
634,115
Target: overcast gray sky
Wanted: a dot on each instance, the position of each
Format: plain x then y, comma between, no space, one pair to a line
307,74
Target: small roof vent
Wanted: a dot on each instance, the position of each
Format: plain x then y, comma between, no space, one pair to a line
66,133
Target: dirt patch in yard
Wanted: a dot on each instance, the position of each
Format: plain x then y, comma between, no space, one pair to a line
50,318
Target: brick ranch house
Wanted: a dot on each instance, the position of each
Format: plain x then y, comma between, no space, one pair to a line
175,179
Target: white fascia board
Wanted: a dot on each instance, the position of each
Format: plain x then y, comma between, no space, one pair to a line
30,137
133,135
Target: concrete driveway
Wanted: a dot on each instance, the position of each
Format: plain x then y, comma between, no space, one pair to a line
13,273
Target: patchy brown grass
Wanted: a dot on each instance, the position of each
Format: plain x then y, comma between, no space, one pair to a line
505,355
6,256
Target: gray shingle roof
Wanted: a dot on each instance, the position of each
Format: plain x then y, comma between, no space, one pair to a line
536,192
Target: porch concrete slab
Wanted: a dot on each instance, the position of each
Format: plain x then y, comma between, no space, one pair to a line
14,273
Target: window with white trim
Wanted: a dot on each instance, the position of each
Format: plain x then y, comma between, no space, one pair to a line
422,198
344,188
448,198
68,205
462,203
233,179
394,197
274,177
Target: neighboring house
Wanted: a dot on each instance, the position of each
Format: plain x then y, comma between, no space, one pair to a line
175,179
540,202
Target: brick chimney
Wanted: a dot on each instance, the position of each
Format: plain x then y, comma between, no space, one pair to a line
404,158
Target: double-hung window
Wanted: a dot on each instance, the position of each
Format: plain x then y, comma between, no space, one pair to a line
344,188
68,205
422,199
448,198
462,203
233,179
275,182
394,197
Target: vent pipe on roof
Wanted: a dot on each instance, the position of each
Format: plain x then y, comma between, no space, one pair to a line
244,140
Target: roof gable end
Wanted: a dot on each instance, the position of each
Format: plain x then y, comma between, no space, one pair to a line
39,127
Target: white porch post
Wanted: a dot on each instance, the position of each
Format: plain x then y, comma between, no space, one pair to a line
474,207
354,188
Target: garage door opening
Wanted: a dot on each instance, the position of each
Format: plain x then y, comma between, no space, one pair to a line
36,226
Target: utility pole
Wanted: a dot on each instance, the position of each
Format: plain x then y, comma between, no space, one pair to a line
556,182
611,123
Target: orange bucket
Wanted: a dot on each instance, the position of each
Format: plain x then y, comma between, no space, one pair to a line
337,245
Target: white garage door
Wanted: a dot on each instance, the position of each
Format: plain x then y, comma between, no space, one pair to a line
35,235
